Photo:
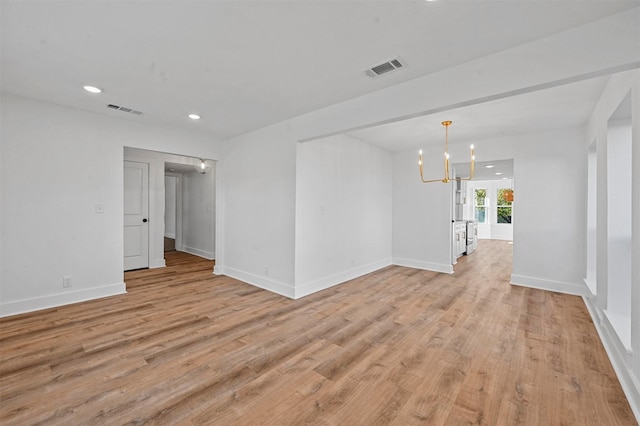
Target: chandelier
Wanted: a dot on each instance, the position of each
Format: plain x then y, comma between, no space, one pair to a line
447,178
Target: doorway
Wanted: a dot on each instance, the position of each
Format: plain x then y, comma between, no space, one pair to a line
190,208
194,219
487,202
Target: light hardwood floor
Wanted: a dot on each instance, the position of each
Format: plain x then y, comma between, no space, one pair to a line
399,346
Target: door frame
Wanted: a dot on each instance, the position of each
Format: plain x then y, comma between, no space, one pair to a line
156,160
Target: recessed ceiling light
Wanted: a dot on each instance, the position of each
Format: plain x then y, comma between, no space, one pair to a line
194,116
497,173
92,89
489,166
504,178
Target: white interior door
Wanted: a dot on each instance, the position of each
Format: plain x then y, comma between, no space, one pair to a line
136,215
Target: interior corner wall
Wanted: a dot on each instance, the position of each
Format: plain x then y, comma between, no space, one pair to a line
57,164
634,363
198,214
258,206
343,212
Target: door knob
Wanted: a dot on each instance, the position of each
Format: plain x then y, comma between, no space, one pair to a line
144,220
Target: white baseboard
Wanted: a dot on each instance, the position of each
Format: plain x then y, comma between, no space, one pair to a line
172,236
314,286
549,285
256,280
619,356
60,299
197,252
427,266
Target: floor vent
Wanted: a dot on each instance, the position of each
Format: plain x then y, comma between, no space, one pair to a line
385,67
124,109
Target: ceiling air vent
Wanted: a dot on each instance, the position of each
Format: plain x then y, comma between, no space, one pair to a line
124,109
385,67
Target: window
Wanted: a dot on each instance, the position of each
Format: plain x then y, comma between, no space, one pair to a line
505,198
480,203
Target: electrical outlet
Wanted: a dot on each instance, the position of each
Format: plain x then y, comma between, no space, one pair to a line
66,282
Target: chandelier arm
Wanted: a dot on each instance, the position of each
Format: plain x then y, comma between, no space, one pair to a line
434,180
446,177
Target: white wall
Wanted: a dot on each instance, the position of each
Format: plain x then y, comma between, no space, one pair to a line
170,194
198,214
57,164
421,214
619,168
343,212
549,231
592,205
623,346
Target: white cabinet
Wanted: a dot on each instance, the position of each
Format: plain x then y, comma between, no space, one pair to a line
459,238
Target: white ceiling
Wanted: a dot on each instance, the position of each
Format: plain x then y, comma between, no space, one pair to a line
246,64
486,170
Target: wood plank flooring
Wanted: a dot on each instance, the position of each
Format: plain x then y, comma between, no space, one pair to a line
399,346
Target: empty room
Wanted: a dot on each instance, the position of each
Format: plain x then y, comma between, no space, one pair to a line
320,212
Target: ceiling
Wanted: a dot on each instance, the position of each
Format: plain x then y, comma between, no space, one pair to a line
486,170
243,65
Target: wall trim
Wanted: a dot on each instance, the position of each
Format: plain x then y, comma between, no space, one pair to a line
256,281
619,356
420,264
168,235
549,285
315,286
198,252
60,299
